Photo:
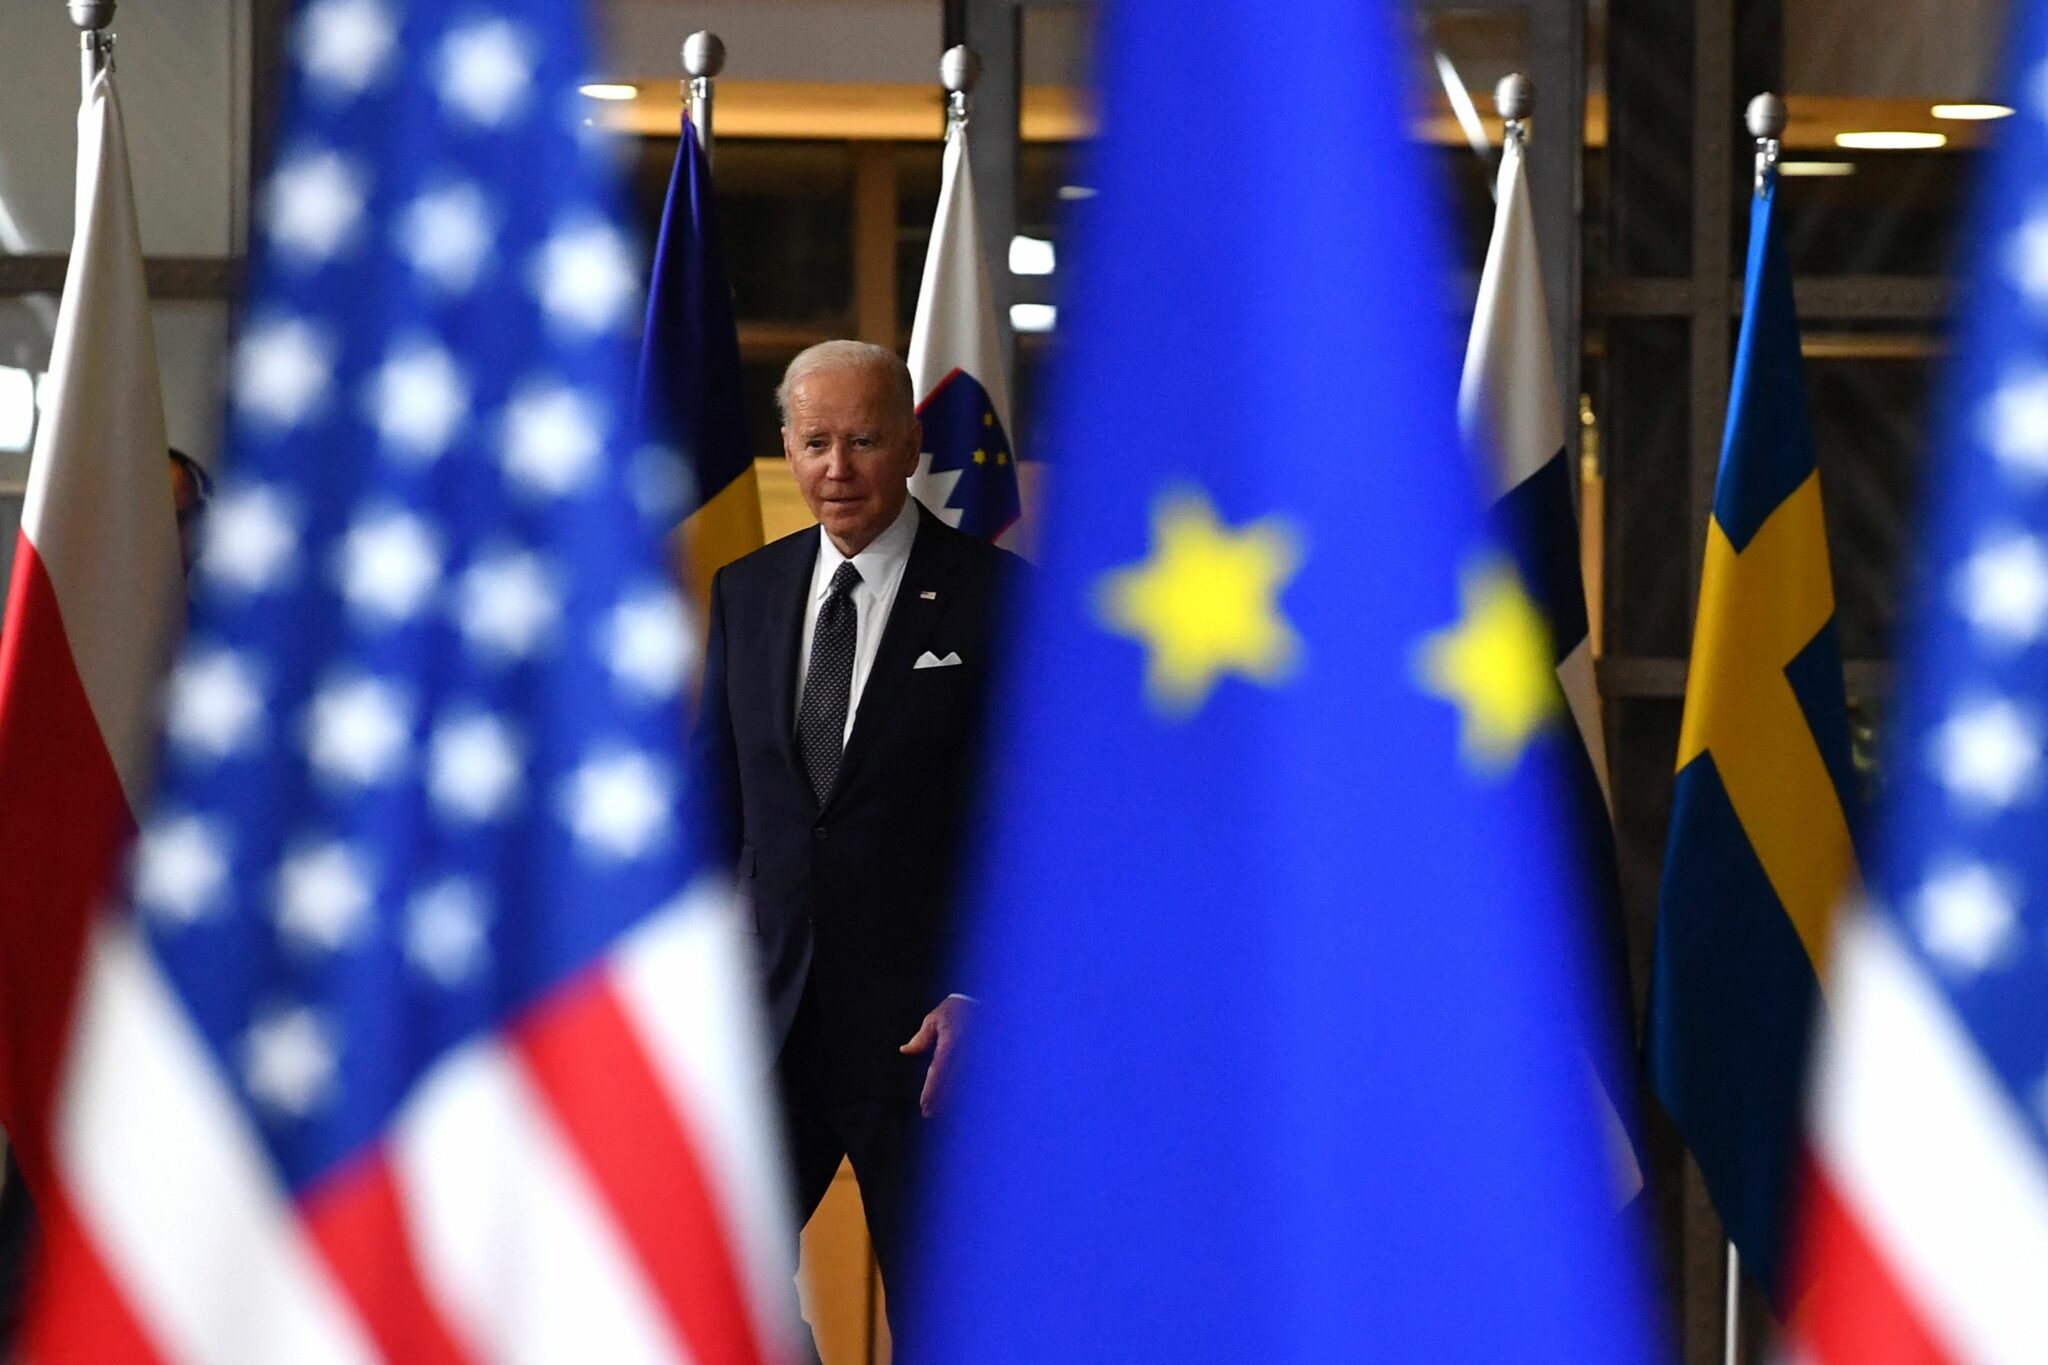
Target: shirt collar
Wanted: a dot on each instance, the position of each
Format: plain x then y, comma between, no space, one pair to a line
883,556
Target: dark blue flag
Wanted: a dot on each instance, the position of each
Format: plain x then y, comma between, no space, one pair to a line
1286,1001
690,373
1762,846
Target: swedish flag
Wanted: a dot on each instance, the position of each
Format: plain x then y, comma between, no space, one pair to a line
1762,848
1286,1001
690,374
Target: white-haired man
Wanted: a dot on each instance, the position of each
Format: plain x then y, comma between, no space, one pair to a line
846,688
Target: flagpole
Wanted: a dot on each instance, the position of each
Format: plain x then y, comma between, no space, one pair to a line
1515,98
703,59
959,73
95,44
1766,118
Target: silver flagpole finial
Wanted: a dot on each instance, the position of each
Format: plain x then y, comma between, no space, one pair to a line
95,45
703,59
1766,117
1515,99
959,72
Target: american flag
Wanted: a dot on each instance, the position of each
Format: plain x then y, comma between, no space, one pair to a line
1926,1211
424,1032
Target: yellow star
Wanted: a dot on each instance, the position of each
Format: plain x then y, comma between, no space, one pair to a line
1002,457
981,457
1494,665
988,419
1205,602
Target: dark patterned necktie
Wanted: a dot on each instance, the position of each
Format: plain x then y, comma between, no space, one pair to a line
821,717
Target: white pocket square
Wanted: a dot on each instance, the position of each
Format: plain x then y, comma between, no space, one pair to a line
931,660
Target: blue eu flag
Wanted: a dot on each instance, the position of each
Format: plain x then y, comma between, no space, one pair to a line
1281,1054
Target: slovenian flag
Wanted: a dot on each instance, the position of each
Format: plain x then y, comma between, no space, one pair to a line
968,471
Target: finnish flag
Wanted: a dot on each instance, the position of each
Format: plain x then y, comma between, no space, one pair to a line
1508,410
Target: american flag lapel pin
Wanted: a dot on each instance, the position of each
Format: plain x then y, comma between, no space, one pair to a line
929,595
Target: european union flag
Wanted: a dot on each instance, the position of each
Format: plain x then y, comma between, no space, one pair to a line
1282,1049
1761,849
690,372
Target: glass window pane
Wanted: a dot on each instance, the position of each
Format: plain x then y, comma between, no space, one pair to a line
1645,432
1850,211
759,376
183,73
1869,392
785,216
191,341
191,355
917,204
191,345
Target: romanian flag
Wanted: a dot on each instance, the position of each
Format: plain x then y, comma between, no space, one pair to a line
690,374
1762,829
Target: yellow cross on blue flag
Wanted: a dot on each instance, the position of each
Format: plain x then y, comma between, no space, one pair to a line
1763,818
1285,997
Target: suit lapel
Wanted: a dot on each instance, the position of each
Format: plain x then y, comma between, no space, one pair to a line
921,599
793,585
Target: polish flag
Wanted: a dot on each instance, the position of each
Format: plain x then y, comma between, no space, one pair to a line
94,606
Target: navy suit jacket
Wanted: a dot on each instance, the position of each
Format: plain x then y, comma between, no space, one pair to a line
854,896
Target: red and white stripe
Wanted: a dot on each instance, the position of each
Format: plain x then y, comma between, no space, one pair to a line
599,1182
94,607
1926,1201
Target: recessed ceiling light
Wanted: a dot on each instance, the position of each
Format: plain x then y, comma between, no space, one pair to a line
1034,317
1031,256
17,408
1891,142
1817,168
1072,192
603,90
1972,113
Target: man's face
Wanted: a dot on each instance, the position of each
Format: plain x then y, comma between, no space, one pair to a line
852,449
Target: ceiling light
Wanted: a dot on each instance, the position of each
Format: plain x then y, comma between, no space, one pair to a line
1072,192
602,90
1033,317
1891,141
1972,113
1031,256
1817,168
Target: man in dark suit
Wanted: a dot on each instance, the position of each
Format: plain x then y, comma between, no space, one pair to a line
845,692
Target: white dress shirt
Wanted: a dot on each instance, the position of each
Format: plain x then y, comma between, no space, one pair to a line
881,567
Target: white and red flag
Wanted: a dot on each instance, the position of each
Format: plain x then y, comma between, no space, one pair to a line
95,603
967,472
422,1030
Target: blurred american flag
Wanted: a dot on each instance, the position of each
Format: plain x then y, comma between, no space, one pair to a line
423,1033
